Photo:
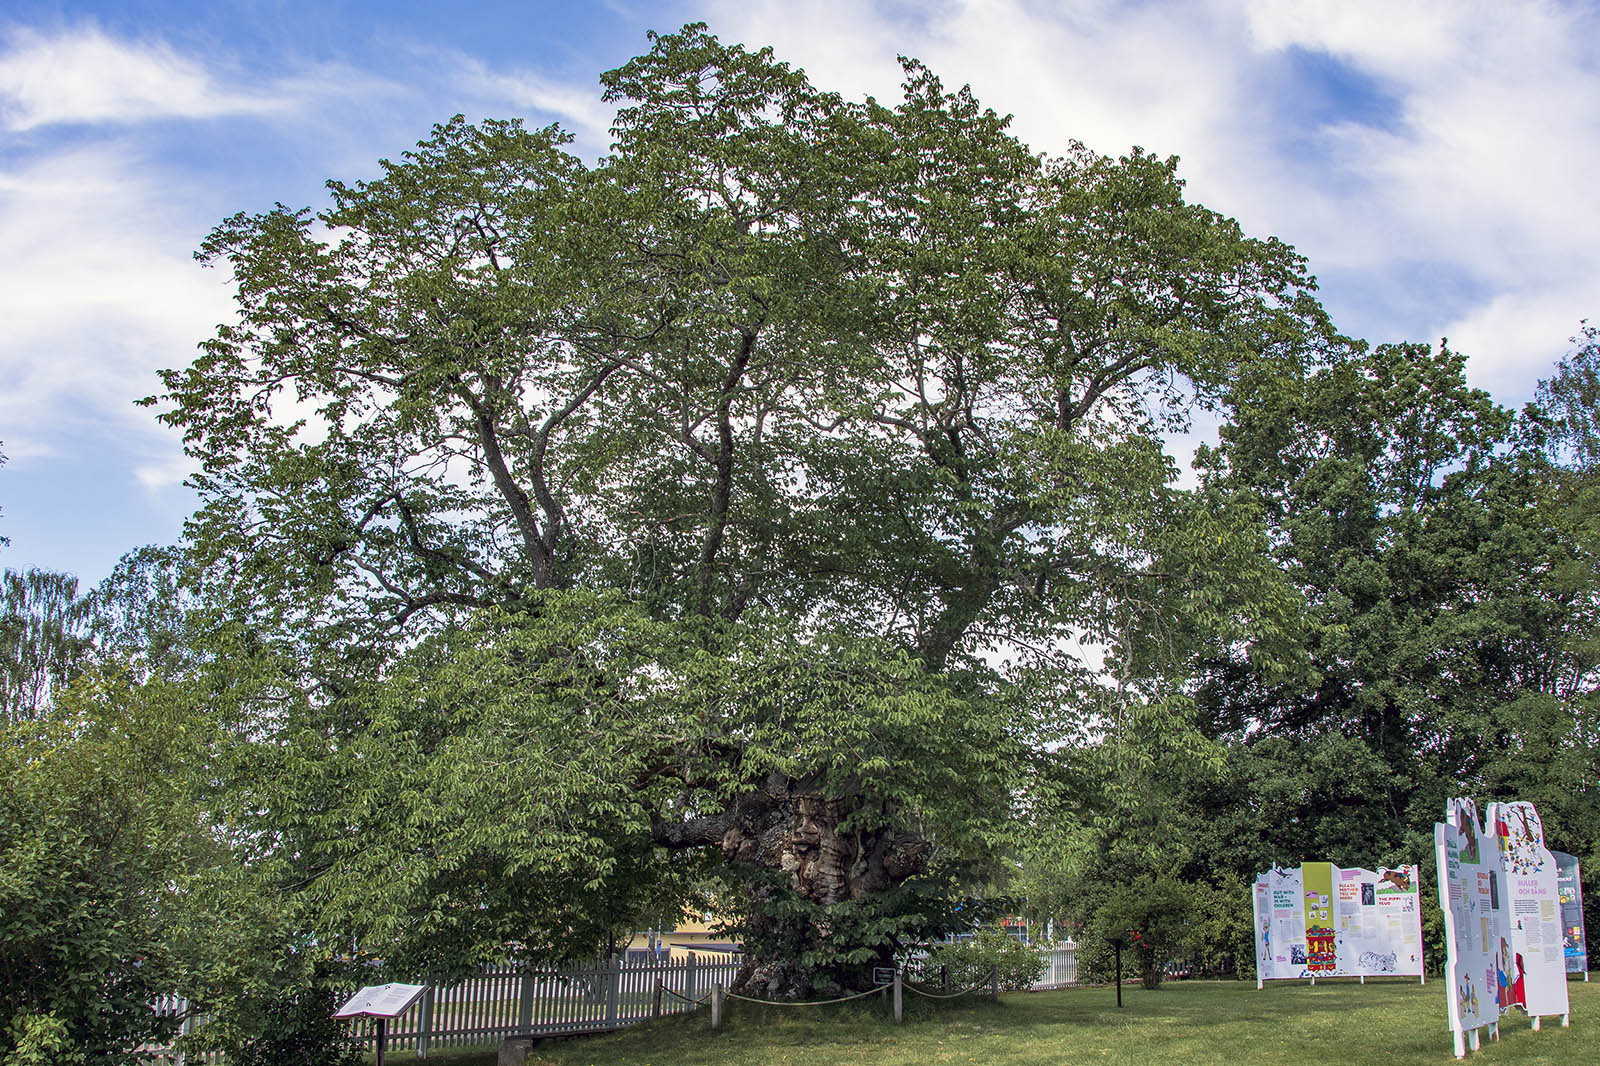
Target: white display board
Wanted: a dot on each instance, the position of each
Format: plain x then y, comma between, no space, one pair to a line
1503,942
1472,897
1379,915
1538,980
1319,920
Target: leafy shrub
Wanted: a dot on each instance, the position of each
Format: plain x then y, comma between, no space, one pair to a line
1221,940
971,962
41,1040
289,1025
93,842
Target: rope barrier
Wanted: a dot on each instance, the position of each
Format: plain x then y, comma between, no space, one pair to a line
807,1003
822,1002
951,995
686,999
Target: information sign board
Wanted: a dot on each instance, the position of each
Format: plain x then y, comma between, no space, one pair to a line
1539,976
1323,921
381,1001
1574,943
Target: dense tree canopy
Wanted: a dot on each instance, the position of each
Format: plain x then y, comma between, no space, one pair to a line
739,492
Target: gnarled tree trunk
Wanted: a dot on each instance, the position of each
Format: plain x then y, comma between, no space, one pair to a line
789,837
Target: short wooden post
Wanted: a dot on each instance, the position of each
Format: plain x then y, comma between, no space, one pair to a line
716,1005
994,983
381,1024
944,978
688,980
899,1006
1536,1023
655,999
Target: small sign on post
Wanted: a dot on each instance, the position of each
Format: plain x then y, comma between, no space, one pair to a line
381,1002
883,975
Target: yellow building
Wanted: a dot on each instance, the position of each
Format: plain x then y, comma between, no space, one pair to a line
696,933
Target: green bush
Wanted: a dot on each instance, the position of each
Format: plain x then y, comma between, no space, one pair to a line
1152,916
41,1040
293,1023
971,962
1221,940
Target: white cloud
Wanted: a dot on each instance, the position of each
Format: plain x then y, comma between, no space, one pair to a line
84,76
1484,170
97,289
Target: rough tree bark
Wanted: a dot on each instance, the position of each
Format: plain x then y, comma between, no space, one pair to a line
795,835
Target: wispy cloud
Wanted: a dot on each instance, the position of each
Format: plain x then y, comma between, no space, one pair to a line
84,76
577,107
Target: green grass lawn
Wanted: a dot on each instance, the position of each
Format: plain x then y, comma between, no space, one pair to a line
1187,1023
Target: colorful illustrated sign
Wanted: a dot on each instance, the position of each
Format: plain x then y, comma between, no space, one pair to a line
1317,878
1476,932
1534,946
1570,887
1323,921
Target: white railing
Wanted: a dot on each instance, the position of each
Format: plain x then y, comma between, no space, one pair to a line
497,1002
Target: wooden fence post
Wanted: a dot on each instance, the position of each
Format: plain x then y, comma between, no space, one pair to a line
716,1005
688,981
944,978
899,1007
525,1002
427,1021
655,999
994,983
613,990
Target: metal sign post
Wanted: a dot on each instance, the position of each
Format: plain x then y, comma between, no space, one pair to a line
1116,942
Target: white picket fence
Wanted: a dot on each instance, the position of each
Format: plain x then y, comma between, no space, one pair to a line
1061,967
503,1001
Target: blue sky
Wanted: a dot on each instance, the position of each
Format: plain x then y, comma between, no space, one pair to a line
1435,161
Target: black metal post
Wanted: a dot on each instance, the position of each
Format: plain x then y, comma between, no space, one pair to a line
381,1023
1117,943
